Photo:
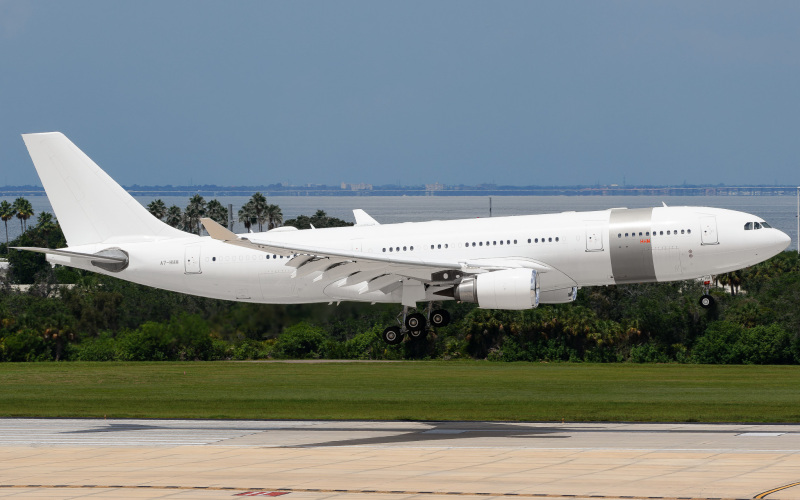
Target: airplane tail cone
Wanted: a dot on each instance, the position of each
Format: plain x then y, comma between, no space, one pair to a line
90,206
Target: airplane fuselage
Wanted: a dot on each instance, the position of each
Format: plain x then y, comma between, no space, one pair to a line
571,249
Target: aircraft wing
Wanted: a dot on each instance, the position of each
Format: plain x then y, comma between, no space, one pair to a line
308,259
221,233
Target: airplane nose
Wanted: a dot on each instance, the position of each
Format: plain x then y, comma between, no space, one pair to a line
782,241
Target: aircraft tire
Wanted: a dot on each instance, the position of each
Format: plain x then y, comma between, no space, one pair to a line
416,322
417,334
707,301
440,317
392,335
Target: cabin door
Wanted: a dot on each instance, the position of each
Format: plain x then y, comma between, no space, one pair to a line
594,237
192,259
708,226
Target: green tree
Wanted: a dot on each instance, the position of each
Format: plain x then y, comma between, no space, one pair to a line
25,266
7,212
45,222
194,211
217,212
247,215
174,217
24,211
274,216
158,209
259,202
302,341
319,220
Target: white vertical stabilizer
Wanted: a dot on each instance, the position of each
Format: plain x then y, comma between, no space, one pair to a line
90,206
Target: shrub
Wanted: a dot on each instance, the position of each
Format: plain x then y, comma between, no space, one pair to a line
301,341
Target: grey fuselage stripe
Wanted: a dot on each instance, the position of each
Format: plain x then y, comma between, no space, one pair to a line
631,255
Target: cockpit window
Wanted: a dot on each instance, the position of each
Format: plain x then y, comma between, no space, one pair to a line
756,225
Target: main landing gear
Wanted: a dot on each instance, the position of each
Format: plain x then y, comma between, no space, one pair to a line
415,325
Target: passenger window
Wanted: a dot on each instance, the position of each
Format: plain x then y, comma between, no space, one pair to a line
682,231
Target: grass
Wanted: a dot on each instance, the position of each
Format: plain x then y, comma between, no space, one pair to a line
404,391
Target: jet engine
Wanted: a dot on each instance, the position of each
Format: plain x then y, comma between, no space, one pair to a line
506,289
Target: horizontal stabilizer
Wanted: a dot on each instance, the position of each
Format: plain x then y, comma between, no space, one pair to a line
78,255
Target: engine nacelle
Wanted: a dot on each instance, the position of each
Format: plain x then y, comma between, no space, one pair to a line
507,289
559,296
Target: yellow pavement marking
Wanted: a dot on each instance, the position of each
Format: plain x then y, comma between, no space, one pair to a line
774,490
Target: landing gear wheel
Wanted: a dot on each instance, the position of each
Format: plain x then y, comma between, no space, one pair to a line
417,334
392,335
706,301
440,317
415,322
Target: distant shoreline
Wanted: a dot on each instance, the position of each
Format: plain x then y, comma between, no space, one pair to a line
439,191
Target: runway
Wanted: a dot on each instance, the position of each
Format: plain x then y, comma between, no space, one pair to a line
184,459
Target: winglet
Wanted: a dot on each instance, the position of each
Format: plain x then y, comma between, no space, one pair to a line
217,231
364,219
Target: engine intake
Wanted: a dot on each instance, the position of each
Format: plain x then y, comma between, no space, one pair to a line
507,289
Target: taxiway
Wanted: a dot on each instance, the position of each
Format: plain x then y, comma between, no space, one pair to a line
183,459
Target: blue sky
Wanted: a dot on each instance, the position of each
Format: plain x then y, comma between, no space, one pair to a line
258,92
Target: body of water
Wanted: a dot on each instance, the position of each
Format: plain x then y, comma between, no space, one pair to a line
779,211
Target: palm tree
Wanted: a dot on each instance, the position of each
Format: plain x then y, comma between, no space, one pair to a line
194,211
7,212
247,214
157,208
174,217
259,202
24,212
216,212
274,216
45,222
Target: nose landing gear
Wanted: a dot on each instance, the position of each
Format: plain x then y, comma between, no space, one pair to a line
415,325
706,301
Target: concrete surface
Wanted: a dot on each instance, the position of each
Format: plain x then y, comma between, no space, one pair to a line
55,458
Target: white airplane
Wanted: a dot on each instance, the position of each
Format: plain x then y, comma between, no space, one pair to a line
499,263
